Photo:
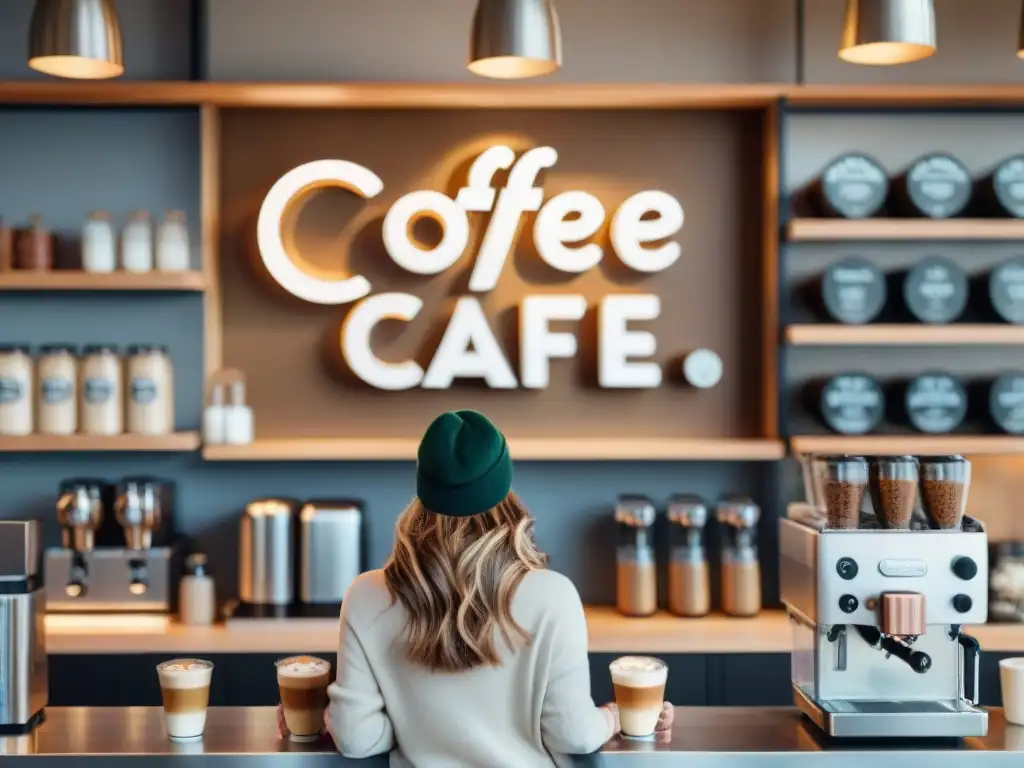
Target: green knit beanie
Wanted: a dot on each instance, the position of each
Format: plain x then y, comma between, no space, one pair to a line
463,466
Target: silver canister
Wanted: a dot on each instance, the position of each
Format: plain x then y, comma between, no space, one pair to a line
266,556
741,570
636,591
689,589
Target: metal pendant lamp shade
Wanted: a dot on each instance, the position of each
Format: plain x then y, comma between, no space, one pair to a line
515,39
79,39
887,32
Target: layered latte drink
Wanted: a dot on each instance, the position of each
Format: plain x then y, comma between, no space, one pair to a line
185,687
303,682
639,683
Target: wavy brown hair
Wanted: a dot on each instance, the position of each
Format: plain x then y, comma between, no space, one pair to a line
456,577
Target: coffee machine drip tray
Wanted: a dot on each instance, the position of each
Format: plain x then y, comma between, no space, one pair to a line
898,719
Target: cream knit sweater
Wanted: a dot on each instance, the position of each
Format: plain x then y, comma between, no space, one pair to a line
529,712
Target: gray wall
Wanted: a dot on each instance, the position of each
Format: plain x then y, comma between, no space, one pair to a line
65,162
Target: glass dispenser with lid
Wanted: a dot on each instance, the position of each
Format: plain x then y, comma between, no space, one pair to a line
689,592
636,592
741,571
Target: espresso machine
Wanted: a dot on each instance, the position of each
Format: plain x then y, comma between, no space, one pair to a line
117,552
878,584
23,665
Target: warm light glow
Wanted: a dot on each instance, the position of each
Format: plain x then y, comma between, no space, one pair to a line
288,191
512,67
886,54
138,588
111,624
76,67
73,590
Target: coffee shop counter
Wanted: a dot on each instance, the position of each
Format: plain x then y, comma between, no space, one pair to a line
703,738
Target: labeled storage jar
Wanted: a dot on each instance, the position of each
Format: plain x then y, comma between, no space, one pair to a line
57,377
150,390
101,394
15,390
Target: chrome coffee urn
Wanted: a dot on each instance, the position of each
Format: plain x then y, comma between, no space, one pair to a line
23,666
266,560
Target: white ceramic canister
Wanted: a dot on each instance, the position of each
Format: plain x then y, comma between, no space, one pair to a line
101,391
57,390
16,376
150,390
137,243
172,247
99,244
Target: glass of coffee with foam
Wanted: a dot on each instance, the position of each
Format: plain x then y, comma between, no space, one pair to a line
303,682
185,687
639,683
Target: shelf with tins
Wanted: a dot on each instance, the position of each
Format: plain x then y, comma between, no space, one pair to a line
68,280
178,442
919,445
841,230
581,449
829,334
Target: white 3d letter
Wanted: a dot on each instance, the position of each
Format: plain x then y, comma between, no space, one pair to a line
518,197
456,359
552,230
287,189
478,194
398,239
618,343
629,232
355,341
538,343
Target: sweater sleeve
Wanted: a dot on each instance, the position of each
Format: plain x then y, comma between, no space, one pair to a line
570,721
358,722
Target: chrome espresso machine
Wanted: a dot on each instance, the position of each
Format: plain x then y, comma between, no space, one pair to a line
880,572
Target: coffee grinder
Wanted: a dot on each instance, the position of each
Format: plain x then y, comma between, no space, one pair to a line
118,548
877,611
636,592
23,664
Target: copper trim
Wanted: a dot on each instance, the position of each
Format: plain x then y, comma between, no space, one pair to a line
903,614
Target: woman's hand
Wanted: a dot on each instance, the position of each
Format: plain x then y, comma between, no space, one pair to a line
282,726
665,719
611,710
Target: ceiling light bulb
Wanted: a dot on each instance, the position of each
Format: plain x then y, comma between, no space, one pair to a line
887,32
514,39
78,39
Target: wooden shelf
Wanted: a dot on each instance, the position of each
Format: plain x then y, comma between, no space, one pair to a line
583,449
608,632
917,445
838,230
829,335
61,280
181,442
860,96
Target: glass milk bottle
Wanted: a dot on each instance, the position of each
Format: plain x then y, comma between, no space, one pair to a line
172,246
636,582
16,375
57,396
99,245
101,393
150,390
137,243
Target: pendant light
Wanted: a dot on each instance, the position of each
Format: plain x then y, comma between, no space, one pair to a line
78,39
515,39
887,32
1020,39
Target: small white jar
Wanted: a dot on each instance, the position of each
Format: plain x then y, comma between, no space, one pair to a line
197,597
137,243
99,245
172,247
57,390
16,376
101,393
150,390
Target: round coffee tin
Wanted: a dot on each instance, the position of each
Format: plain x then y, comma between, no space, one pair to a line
936,403
852,404
853,291
935,290
854,186
939,186
1006,402
1006,290
1008,185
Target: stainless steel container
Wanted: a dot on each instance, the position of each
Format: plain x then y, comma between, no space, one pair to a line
689,585
331,550
741,569
266,554
636,590
23,665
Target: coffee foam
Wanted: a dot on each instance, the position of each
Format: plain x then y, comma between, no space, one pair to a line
303,666
639,671
185,673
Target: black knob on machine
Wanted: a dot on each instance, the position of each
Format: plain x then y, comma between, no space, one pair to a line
965,568
847,568
848,603
920,662
962,603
